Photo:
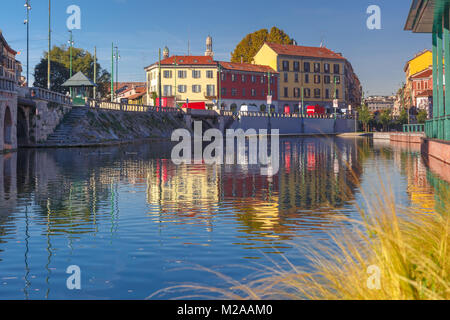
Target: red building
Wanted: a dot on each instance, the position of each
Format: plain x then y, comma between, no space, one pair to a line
247,84
422,90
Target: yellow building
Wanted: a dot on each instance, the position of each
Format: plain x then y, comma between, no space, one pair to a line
184,77
421,61
311,69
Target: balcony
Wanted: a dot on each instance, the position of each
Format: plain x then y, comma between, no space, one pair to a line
210,95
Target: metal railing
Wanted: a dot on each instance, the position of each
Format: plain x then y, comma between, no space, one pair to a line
284,115
413,128
438,128
105,105
44,94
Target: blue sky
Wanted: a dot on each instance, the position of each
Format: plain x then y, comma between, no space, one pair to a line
140,27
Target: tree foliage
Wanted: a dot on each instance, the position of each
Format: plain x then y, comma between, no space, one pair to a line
249,46
82,60
403,119
385,118
422,116
365,116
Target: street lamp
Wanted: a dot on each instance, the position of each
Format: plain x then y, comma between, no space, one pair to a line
71,57
175,96
117,57
27,22
219,89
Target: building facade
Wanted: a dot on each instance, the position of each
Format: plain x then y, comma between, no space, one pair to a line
315,74
422,91
380,103
9,80
247,84
185,78
196,79
422,61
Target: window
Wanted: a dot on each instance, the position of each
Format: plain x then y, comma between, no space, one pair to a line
307,92
316,93
182,88
316,79
234,92
253,92
296,66
233,77
306,66
326,68
167,74
253,79
337,79
285,65
336,68
263,93
337,93
196,74
210,90
296,77
327,93
263,79
243,78
243,92
224,76
327,79
209,74
296,92
224,91
182,74
306,78
196,88
167,91
317,67
286,94
286,77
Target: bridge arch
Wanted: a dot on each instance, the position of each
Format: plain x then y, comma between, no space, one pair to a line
7,129
22,127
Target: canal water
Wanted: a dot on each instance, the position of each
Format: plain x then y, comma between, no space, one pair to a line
136,223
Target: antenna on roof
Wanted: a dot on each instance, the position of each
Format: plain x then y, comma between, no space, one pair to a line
322,42
189,44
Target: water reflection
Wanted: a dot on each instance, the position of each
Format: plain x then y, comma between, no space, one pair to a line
127,214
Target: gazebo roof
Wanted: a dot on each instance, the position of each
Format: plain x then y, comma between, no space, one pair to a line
79,80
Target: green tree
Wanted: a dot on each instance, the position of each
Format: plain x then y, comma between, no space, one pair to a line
422,116
60,69
385,119
251,43
365,116
403,119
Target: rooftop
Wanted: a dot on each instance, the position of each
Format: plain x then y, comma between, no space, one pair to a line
246,67
79,80
421,15
186,60
302,51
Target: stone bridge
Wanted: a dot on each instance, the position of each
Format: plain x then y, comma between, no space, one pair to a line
29,115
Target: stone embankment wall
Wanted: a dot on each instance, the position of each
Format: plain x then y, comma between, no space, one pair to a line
294,126
48,116
407,137
100,126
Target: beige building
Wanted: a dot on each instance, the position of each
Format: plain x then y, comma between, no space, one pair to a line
317,71
184,77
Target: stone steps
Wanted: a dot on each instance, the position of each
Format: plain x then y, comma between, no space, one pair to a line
63,132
